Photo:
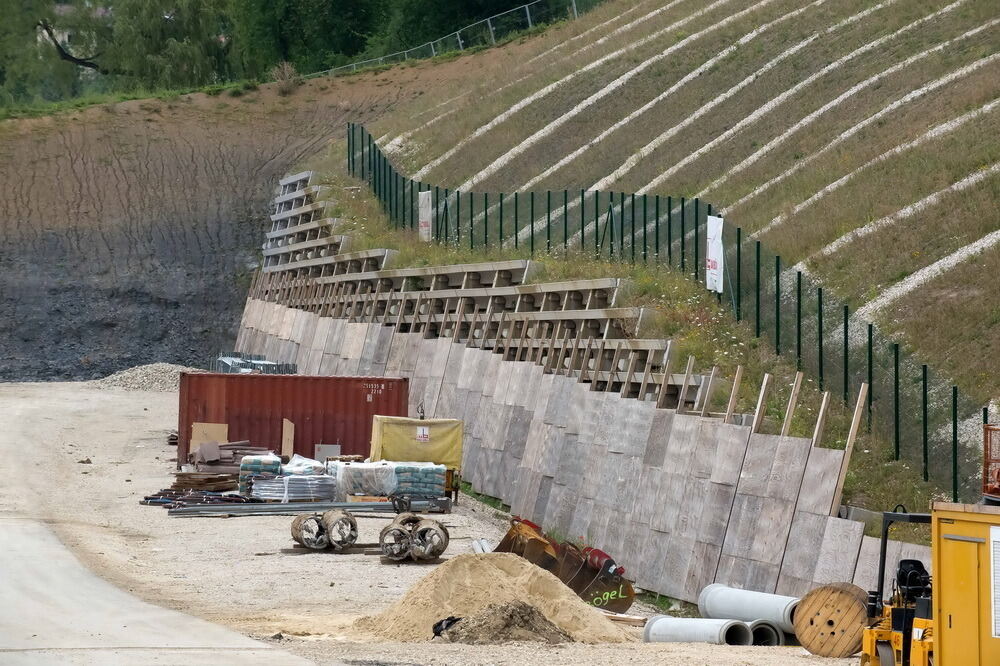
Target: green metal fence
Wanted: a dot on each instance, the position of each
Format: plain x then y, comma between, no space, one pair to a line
930,423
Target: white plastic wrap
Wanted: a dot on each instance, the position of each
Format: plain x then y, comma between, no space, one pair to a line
377,478
302,466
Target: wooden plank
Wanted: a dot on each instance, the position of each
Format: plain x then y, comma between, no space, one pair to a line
202,433
852,436
792,400
287,438
731,406
817,437
708,390
682,396
758,414
661,398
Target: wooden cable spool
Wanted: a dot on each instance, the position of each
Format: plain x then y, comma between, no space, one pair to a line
830,620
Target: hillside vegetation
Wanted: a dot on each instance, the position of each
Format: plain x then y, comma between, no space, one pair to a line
857,139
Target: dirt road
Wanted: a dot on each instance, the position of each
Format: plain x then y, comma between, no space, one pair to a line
241,572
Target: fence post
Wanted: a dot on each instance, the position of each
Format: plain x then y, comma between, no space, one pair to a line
515,220
565,221
683,231
531,215
819,312
798,320
739,265
500,223
350,147
458,217
472,220
493,36
364,154
847,356
621,226
777,305
871,372
447,215
756,303
527,12
583,221
459,38
645,223
486,219
924,411
548,221
632,227
695,260
670,233
575,14
954,443
437,212
403,202
895,400
656,228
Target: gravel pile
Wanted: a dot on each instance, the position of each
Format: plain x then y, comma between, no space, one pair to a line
152,377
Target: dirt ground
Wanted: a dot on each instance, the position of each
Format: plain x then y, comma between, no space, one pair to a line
243,572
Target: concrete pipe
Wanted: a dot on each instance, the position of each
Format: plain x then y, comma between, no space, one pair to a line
308,531
666,629
341,528
766,633
720,601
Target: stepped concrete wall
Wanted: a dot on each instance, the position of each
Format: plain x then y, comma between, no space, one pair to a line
679,500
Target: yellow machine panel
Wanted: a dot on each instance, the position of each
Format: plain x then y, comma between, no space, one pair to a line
965,549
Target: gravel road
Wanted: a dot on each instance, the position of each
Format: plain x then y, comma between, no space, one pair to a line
243,572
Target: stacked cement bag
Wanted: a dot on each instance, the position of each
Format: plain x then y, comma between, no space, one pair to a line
376,479
251,466
420,479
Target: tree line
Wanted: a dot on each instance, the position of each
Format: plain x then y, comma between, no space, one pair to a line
51,51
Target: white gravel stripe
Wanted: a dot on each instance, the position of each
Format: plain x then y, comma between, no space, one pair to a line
846,95
704,67
539,94
848,133
928,273
902,214
929,135
780,99
398,143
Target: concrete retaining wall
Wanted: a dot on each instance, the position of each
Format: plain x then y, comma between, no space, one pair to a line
680,501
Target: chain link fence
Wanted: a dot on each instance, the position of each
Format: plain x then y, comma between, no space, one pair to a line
930,423
487,32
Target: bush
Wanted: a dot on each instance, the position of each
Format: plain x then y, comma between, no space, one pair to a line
286,77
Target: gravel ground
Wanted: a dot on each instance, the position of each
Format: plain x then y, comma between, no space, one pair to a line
243,572
152,377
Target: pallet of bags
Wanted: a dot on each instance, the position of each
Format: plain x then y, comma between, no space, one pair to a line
414,478
377,478
257,465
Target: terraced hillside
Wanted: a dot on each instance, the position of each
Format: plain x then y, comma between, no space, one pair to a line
857,139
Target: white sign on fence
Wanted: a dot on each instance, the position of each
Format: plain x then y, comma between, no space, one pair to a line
424,215
714,255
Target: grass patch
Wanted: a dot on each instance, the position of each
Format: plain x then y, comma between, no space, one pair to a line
668,605
492,502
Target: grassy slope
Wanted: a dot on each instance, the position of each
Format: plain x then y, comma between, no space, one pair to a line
889,255
686,314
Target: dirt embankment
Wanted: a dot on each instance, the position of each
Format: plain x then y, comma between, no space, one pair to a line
128,231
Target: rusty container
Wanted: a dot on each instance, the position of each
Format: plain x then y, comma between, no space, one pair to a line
325,410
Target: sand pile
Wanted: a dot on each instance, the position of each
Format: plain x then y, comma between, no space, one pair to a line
152,377
466,584
504,623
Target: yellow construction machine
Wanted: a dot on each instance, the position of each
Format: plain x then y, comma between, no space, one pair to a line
957,625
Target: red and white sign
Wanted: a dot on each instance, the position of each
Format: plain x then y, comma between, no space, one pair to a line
424,215
714,255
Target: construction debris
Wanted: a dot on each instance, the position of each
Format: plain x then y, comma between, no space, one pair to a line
336,528
590,573
204,481
175,499
410,536
514,621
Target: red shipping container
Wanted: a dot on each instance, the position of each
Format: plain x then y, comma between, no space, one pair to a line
325,410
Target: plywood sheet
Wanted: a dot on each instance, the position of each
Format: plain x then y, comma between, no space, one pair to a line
207,432
659,434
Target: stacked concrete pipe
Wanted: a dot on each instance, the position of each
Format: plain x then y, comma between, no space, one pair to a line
667,629
723,602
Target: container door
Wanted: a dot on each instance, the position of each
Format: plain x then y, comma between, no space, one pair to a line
957,587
